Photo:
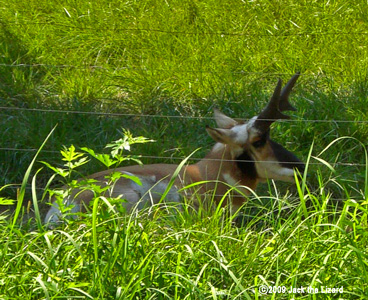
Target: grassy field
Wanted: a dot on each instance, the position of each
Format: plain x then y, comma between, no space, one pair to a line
158,68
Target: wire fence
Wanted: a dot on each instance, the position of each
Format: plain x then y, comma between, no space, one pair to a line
16,187
114,70
153,157
199,32
14,149
114,114
141,68
83,27
164,116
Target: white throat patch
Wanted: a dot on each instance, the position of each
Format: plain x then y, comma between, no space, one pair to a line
230,180
274,170
244,132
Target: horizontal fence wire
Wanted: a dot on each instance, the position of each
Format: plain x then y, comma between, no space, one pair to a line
114,69
163,116
17,186
178,32
191,158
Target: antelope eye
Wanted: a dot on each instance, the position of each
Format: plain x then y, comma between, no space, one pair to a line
258,144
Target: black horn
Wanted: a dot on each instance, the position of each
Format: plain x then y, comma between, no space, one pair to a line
284,103
278,103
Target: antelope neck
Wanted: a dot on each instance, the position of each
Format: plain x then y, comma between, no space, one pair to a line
221,161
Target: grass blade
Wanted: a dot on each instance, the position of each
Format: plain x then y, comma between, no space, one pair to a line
25,180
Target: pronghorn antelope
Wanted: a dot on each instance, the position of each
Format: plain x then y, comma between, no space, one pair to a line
243,155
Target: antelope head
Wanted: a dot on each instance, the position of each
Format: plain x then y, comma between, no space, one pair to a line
255,154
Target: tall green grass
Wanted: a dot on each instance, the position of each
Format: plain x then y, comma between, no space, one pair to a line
289,241
282,241
182,58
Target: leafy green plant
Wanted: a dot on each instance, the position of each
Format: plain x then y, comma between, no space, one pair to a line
116,156
74,159
4,200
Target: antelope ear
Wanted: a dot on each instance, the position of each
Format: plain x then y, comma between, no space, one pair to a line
220,135
223,121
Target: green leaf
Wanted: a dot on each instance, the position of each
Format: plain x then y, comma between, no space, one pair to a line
133,178
69,154
62,172
124,143
103,158
6,201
